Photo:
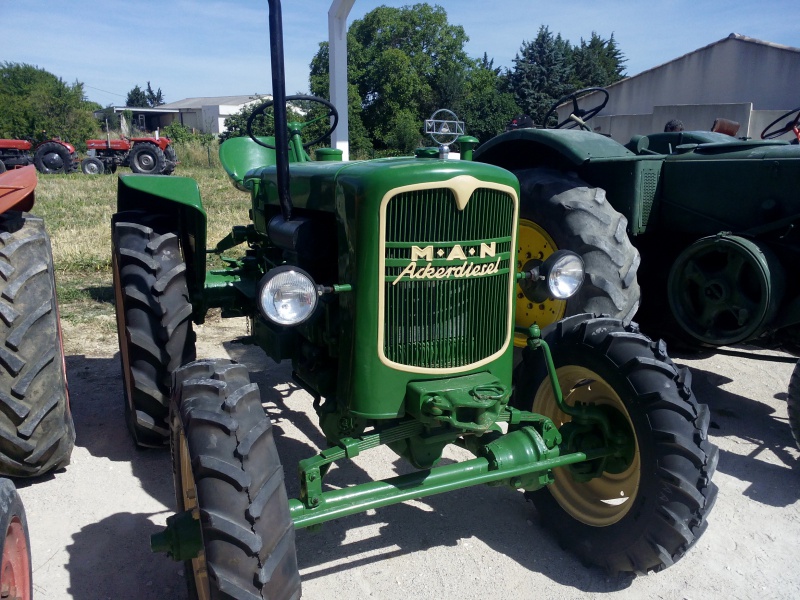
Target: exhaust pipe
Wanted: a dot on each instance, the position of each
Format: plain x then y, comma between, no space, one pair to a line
279,106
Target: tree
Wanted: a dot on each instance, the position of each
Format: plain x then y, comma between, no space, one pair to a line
597,63
37,104
154,98
542,73
137,98
403,64
485,105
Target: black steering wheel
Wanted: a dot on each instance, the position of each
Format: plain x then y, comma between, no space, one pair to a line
583,114
332,112
790,125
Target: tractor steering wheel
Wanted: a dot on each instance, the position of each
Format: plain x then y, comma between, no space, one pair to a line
297,127
583,114
790,125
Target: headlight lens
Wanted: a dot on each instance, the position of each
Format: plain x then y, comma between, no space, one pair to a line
288,296
565,275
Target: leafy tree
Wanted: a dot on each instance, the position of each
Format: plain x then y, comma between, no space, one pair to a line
137,98
542,72
264,124
37,105
485,106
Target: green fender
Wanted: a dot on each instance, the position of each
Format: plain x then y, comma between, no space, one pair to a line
178,198
559,148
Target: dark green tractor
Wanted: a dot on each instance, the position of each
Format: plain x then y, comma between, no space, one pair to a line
712,219
390,285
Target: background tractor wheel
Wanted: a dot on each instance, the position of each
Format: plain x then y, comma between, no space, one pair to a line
52,157
16,575
644,512
153,319
36,429
561,212
92,166
171,160
793,403
147,159
2,167
228,471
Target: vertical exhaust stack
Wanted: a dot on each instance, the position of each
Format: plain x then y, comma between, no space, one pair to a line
279,106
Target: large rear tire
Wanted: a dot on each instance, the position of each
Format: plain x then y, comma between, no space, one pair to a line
153,319
793,403
52,158
559,211
147,159
651,509
227,470
16,574
36,430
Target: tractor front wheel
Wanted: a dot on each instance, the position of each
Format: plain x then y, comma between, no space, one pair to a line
559,211
153,319
228,473
36,429
793,403
16,576
92,166
644,511
147,159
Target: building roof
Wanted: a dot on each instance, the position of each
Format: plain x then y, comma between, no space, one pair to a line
733,36
188,103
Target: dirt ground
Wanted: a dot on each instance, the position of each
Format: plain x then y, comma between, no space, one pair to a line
91,523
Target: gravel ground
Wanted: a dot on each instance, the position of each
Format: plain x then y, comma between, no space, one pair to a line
90,523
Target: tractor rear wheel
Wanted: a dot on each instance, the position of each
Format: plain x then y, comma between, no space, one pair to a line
153,319
147,159
36,429
793,403
644,512
559,211
227,471
171,160
16,575
52,157
2,167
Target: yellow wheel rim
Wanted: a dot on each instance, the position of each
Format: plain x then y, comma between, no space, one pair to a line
189,496
534,244
603,500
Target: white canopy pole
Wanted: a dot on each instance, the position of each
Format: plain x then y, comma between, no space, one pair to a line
337,54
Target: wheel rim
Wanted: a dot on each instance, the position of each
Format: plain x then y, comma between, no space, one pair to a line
604,500
53,161
720,292
188,492
146,161
15,577
534,244
91,168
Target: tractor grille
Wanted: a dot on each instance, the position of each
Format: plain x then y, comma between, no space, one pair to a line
447,278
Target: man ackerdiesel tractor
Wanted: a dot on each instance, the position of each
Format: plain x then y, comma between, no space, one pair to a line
391,287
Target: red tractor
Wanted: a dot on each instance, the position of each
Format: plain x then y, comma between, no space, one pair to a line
145,155
52,156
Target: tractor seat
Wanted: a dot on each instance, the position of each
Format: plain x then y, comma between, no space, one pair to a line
725,126
240,155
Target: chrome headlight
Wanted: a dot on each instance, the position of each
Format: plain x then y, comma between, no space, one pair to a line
564,275
287,295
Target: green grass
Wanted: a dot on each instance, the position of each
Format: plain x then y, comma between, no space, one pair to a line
77,211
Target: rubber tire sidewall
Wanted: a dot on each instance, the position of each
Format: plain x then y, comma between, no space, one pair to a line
38,433
793,403
220,413
655,395
579,218
57,148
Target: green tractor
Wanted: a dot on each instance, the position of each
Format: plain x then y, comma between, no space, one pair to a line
390,285
713,219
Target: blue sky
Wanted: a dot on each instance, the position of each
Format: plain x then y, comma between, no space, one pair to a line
221,47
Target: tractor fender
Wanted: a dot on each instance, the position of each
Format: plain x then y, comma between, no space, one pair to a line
564,149
17,189
179,199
